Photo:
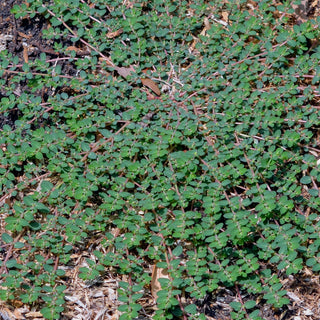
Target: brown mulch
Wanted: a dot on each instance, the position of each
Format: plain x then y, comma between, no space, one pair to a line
98,299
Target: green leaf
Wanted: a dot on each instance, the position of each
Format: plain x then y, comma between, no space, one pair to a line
191,308
6,238
236,306
177,251
46,186
250,304
305,180
313,192
28,200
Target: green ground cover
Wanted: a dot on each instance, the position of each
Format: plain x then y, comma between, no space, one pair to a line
182,135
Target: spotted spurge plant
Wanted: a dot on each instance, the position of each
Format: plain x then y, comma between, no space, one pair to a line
215,179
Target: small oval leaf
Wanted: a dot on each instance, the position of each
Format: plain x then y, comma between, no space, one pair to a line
6,238
305,180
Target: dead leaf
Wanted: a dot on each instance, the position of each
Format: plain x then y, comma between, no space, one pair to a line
18,315
17,303
157,273
77,50
225,16
114,34
23,35
72,48
34,314
124,72
6,314
107,61
25,54
301,11
151,85
115,316
207,27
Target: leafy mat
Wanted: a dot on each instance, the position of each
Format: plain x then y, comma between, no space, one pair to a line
164,151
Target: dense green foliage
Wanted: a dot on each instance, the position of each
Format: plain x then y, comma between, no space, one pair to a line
205,180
